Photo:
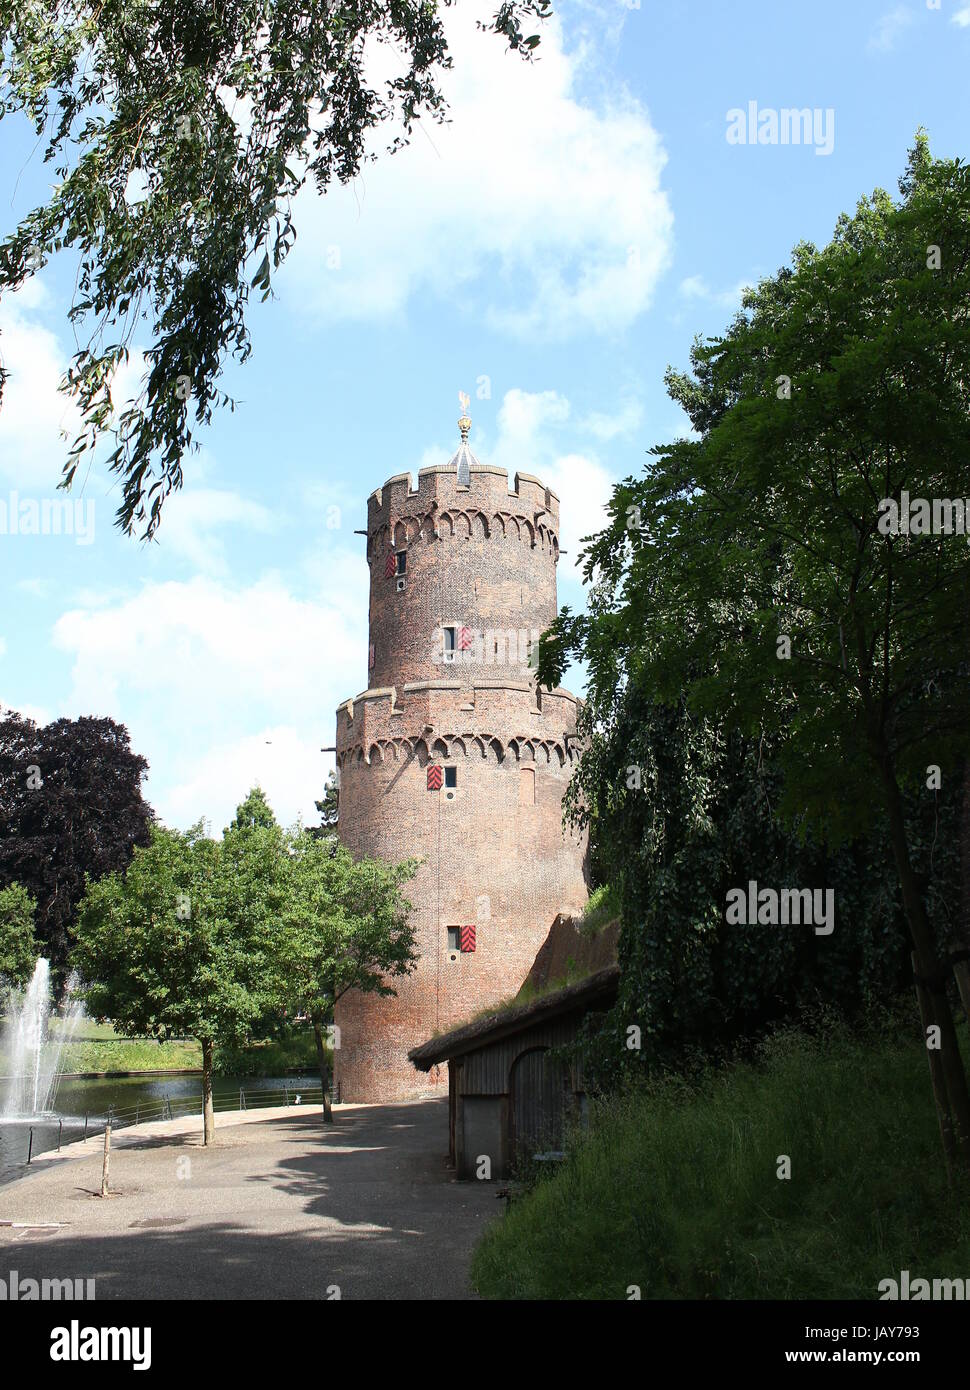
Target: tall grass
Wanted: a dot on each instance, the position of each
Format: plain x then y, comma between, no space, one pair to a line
602,908
674,1188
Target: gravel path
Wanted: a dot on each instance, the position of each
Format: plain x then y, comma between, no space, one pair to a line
280,1207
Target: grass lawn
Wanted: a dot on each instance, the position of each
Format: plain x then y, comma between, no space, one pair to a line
98,1047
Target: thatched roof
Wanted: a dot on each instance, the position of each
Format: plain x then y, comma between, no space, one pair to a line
599,988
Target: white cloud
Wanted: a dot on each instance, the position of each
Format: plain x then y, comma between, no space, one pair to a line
889,27
194,668
37,588
192,517
38,422
137,187
33,414
696,287
289,767
584,486
526,441
606,427
37,713
533,209
731,297
962,17
522,416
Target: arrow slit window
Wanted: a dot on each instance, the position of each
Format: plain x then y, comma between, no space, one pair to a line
527,786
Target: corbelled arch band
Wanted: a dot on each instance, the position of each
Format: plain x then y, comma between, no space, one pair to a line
467,525
453,746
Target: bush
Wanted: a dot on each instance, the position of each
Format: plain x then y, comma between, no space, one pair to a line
295,1051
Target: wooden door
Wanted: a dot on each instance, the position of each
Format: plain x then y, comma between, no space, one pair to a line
536,1091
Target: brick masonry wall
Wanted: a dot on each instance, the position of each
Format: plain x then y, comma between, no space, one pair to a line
493,850
478,556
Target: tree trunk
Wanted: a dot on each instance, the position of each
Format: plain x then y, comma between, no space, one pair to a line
965,856
324,1071
937,1080
208,1116
929,964
962,967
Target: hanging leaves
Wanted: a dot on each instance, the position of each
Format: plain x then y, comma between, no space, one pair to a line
180,133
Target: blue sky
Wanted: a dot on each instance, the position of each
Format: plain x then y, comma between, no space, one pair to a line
550,252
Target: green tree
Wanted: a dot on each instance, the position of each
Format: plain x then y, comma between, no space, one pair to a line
18,948
327,806
177,211
183,943
346,926
255,812
71,805
752,571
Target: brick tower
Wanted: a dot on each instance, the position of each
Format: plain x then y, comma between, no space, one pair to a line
452,755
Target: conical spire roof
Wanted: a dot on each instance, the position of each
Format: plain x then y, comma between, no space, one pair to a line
464,458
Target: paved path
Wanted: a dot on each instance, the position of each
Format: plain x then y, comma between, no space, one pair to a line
279,1207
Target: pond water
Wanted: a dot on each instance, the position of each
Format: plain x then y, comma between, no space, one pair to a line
83,1105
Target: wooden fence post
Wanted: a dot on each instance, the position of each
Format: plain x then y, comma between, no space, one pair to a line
107,1159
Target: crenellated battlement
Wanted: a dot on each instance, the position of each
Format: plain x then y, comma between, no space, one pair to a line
477,558
529,502
496,715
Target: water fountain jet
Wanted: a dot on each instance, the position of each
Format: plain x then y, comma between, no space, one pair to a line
32,1054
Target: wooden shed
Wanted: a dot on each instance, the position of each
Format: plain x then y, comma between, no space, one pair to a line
507,1096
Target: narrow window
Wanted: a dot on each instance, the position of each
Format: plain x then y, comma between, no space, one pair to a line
527,786
402,561
450,641
454,938
451,776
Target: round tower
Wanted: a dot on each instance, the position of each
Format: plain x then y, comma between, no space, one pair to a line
453,756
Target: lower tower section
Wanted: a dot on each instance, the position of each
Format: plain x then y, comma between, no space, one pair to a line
469,779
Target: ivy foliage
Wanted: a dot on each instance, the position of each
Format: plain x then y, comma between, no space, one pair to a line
703,819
